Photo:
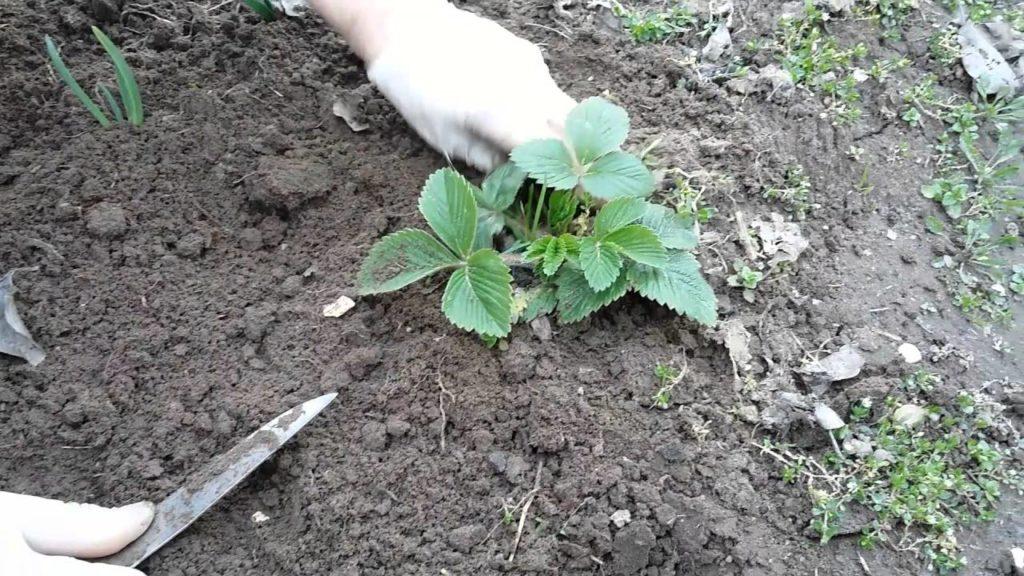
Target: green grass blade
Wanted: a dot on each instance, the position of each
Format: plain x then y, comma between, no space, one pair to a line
125,79
112,104
263,8
72,84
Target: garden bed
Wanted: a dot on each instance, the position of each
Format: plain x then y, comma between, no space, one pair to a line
183,265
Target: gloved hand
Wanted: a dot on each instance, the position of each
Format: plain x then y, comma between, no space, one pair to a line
40,537
470,88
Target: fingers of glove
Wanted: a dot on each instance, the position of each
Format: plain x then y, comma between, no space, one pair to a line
17,559
517,123
481,154
64,566
80,530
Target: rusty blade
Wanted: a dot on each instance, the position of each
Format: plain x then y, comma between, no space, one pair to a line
210,484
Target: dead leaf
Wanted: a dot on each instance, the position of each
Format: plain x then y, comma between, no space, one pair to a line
349,107
780,240
737,341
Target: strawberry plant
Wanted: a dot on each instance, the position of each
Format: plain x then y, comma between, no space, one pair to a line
571,213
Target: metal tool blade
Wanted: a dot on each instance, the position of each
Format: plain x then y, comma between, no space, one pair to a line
210,484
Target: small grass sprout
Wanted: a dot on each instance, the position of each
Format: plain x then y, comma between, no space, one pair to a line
127,87
263,8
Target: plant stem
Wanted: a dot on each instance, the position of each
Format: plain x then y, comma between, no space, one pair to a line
515,260
538,207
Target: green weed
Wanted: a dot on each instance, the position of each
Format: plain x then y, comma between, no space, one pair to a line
744,276
978,159
923,481
944,46
794,192
263,8
668,376
647,26
816,60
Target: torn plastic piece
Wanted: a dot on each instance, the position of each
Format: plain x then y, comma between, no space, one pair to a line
15,339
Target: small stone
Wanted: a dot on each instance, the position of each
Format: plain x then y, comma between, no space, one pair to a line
620,518
631,550
827,417
883,455
910,353
291,286
541,328
250,239
259,517
397,428
257,320
105,10
463,539
909,415
106,221
190,245
339,307
748,414
891,234
374,436
856,447
151,470
498,460
286,183
1017,561
516,469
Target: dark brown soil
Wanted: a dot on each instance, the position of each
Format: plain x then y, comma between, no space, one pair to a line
183,266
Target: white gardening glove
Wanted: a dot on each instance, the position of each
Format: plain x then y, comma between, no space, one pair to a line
40,537
470,88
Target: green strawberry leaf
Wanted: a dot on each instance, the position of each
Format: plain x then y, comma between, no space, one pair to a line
600,262
554,256
671,228
500,187
618,174
535,302
448,205
488,223
596,127
640,244
577,300
679,285
479,295
402,258
548,162
618,213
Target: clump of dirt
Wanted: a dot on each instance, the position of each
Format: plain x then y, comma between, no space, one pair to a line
180,309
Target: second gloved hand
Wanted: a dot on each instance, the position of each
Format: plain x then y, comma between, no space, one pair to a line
40,537
470,88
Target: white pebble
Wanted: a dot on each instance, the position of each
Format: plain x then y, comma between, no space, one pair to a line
621,517
910,353
338,307
259,517
827,417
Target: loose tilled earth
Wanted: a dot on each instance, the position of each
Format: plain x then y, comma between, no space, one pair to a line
182,268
